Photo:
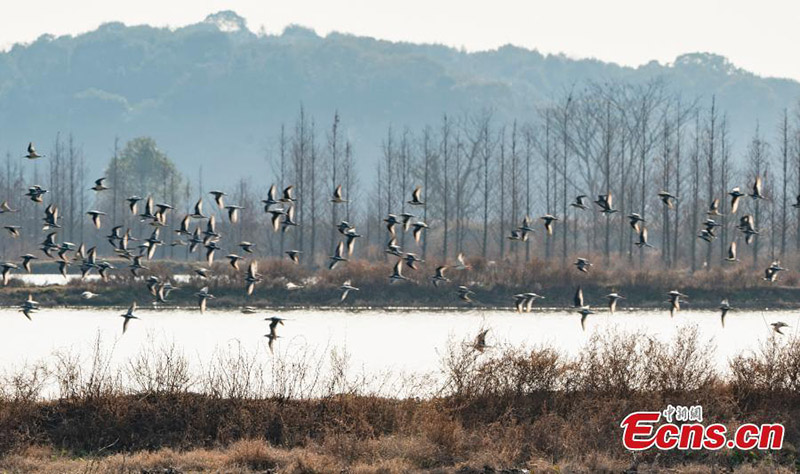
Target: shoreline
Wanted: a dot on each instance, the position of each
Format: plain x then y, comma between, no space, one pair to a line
393,298
396,309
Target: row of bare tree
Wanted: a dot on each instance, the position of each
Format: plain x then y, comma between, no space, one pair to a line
480,178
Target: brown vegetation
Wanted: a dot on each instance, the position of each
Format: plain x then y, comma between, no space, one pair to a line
493,282
507,408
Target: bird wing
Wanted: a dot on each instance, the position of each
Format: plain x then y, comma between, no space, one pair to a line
578,300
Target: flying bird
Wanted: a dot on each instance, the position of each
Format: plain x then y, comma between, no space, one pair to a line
7,267
771,273
577,300
732,253
252,277
233,213
234,260
391,221
337,195
675,301
548,223
406,220
416,197
346,288
272,198
613,297
634,219
418,228
411,260
29,307
778,326
735,195
26,261
277,214
464,292
338,256
202,298
13,230
351,235
198,210
480,341
4,208
95,215
288,194
294,255
604,201
133,204
757,187
439,277
397,272
582,265
32,155
288,219
642,242
668,199
462,262
579,202
128,315
218,198
99,185
584,312
392,247
36,192
713,209
724,307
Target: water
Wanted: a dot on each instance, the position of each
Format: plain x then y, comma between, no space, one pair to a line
56,279
377,342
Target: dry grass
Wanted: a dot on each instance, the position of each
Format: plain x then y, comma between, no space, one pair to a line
507,408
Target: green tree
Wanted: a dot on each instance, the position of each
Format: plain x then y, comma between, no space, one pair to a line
144,170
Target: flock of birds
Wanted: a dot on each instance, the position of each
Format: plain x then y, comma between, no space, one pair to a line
281,207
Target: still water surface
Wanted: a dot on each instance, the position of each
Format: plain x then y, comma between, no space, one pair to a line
376,341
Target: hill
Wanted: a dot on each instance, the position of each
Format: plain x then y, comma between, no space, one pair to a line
215,93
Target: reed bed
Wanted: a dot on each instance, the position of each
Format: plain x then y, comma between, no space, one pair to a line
506,408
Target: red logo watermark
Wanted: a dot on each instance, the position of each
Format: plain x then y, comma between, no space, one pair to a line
643,430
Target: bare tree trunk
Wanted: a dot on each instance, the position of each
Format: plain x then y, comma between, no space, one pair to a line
678,181
333,142
785,176
313,185
550,181
446,180
501,180
711,169
426,151
695,187
528,157
565,136
282,177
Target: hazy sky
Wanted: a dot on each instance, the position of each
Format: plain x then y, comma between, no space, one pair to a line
759,36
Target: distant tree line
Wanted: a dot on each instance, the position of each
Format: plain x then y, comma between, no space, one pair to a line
480,176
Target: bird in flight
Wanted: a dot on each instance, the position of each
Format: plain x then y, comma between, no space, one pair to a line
346,288
128,315
32,155
416,197
778,326
724,307
99,185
